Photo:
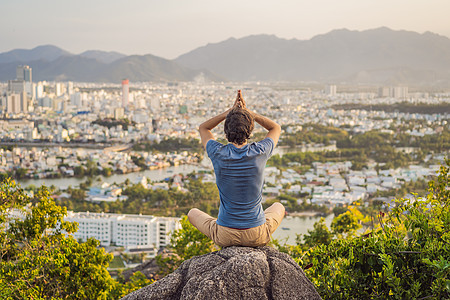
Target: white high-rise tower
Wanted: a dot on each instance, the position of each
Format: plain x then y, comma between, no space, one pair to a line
125,92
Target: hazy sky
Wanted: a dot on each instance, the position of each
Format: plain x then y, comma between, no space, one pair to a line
169,28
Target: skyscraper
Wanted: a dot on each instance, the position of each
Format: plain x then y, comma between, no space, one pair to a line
330,90
24,73
27,76
125,92
23,82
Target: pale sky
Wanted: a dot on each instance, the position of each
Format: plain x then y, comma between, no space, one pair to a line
169,28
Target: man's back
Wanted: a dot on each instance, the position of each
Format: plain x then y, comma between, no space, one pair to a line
240,178
239,169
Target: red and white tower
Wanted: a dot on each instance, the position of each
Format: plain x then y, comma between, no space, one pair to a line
125,92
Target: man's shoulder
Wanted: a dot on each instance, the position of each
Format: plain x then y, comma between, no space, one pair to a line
264,143
212,146
264,146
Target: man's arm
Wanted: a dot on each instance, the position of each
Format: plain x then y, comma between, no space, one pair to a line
273,127
206,127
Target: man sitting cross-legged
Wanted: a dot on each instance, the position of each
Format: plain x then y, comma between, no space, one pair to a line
239,169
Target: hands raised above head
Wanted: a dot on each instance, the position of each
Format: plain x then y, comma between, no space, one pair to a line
239,101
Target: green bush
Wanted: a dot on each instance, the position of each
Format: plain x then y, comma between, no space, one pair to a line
39,261
406,257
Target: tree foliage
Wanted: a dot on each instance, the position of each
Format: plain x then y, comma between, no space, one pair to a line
40,260
168,145
406,256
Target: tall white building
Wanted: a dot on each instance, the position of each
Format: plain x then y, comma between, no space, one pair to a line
69,88
16,102
398,92
40,90
125,92
124,230
330,90
59,89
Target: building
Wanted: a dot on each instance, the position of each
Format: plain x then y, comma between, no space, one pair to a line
24,73
59,89
125,92
76,100
23,81
69,88
155,104
16,86
39,90
330,90
384,92
398,92
16,103
129,231
16,124
119,113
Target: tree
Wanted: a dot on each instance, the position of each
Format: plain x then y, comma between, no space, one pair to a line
319,235
38,260
137,281
346,223
405,257
38,257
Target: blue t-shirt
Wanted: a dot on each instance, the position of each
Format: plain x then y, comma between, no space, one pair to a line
240,177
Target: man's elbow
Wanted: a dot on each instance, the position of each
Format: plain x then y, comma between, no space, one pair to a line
203,127
277,128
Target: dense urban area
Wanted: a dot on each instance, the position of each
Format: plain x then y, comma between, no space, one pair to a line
341,147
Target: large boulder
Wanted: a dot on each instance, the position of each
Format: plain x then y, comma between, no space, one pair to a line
233,273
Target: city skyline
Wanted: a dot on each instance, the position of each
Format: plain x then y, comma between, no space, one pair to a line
168,29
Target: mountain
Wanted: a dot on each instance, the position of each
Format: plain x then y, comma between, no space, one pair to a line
373,56
83,69
46,52
148,68
376,56
96,66
103,56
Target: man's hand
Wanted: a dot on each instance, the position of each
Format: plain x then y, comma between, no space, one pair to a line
239,101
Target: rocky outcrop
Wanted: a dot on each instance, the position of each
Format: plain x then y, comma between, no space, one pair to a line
233,273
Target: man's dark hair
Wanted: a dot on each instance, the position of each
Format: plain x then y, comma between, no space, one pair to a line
239,125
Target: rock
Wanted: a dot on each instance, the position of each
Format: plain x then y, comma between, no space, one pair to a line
233,273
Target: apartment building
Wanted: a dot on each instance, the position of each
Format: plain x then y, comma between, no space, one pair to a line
124,230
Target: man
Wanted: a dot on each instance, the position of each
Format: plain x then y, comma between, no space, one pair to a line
239,169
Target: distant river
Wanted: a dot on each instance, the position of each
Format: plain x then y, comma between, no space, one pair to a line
291,226
154,175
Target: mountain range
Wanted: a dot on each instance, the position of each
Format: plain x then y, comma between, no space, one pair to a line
378,56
